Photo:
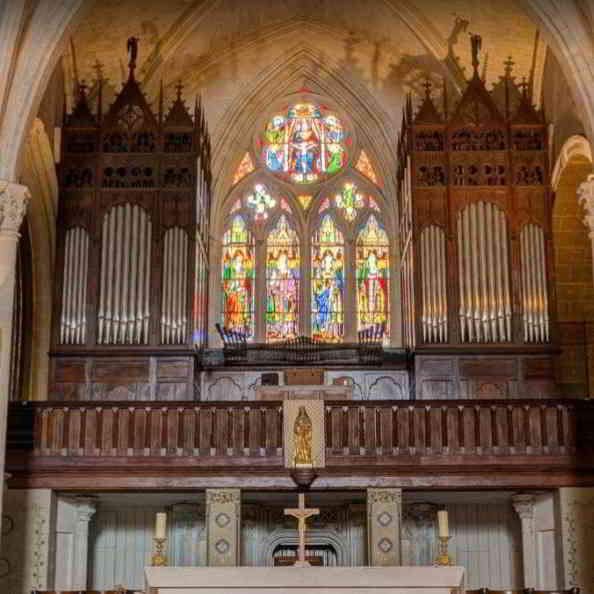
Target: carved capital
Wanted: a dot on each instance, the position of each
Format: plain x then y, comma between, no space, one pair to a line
218,496
585,194
13,205
393,496
524,506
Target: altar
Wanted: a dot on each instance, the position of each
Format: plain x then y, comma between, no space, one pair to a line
304,580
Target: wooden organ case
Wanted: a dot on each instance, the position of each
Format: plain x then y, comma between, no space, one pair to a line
475,232
130,300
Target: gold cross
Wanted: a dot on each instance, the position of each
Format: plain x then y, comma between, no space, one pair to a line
302,513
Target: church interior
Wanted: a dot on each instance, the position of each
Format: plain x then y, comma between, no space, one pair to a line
297,284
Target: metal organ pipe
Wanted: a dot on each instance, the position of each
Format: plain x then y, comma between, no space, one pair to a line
175,287
535,314
73,322
483,271
434,318
125,276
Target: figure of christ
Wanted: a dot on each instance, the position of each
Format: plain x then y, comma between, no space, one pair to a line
301,513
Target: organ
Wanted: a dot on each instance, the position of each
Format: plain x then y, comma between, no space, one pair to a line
132,257
475,238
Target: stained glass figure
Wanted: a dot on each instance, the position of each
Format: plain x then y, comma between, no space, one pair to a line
327,283
365,167
238,278
246,166
325,205
304,146
373,268
282,282
349,201
304,201
261,201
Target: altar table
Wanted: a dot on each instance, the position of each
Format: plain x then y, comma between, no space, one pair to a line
304,580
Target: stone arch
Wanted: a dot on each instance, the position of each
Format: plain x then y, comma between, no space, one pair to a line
315,536
575,146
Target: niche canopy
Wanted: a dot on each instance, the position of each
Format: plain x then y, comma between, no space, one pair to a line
304,145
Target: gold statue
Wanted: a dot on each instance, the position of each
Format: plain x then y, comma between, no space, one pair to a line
303,437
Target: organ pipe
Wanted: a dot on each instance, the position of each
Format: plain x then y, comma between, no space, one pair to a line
174,319
73,322
535,316
125,276
433,266
485,297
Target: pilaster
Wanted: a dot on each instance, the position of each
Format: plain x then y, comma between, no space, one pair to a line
223,522
524,507
384,513
13,205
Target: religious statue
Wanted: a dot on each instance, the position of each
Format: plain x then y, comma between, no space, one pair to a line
303,439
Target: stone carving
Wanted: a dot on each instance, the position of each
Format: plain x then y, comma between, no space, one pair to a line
585,194
524,506
13,205
220,496
393,496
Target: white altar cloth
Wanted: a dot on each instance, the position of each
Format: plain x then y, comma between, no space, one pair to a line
304,580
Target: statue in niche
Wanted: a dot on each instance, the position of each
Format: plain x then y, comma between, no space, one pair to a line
302,456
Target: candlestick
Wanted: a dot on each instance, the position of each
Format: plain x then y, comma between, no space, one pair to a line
159,557
160,525
442,520
443,558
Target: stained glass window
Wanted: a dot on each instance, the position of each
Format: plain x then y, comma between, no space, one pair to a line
304,145
282,282
304,201
349,200
325,205
372,275
365,167
327,283
261,201
238,278
246,166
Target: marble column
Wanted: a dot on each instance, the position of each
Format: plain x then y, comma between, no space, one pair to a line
524,507
13,205
223,522
384,513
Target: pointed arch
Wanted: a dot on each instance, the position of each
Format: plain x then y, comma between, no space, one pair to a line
283,286
373,275
238,271
327,281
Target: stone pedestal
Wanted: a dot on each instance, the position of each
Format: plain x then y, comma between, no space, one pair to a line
13,205
384,511
223,521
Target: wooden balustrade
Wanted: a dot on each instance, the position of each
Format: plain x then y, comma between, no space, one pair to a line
455,428
158,429
439,442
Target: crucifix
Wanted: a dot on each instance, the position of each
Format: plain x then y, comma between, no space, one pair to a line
302,513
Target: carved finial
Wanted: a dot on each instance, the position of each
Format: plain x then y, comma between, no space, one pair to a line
476,42
133,51
509,66
179,87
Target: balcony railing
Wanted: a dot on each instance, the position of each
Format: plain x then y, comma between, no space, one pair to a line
393,438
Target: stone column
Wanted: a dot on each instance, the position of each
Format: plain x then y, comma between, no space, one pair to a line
524,506
13,205
223,521
384,511
85,510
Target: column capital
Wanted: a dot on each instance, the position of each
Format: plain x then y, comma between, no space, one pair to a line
524,506
13,205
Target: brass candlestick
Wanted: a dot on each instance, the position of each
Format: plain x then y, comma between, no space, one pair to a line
443,557
159,557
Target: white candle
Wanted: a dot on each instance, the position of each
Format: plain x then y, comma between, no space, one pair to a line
442,521
160,525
